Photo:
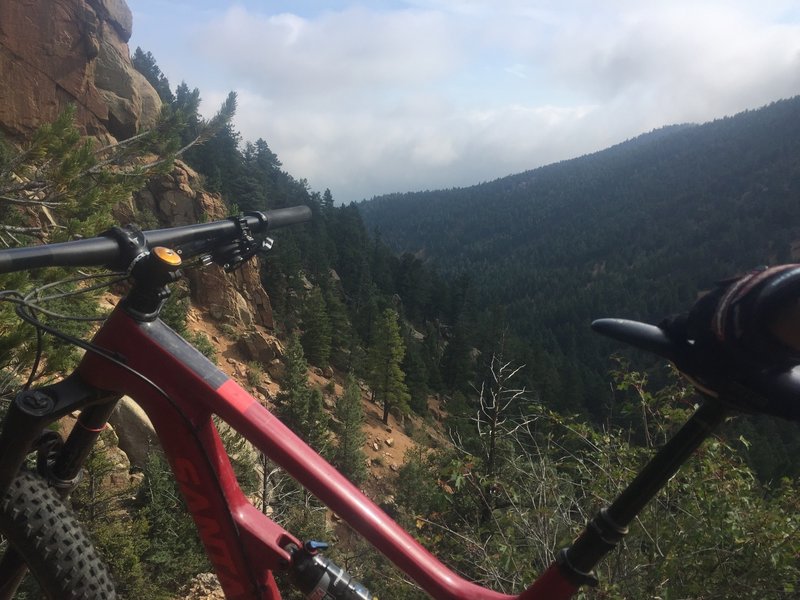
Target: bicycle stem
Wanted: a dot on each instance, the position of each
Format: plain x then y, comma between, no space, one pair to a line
610,525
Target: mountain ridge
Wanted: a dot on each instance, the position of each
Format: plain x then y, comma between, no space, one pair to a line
634,230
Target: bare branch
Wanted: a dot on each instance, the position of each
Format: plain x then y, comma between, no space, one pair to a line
123,143
26,202
25,186
14,229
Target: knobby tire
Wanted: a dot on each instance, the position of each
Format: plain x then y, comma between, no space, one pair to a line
36,522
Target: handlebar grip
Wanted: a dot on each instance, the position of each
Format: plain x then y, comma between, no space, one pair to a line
281,217
77,253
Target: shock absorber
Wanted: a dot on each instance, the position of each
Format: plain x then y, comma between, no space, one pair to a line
319,578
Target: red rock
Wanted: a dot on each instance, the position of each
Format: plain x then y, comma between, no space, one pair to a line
58,52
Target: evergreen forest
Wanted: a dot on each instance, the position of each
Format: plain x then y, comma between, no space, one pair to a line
636,231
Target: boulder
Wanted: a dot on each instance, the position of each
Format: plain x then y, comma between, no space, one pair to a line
242,308
276,370
137,437
260,347
132,102
204,586
117,14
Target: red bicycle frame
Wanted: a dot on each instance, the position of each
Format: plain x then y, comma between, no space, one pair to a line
180,390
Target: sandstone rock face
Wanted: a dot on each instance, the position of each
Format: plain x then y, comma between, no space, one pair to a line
57,52
236,298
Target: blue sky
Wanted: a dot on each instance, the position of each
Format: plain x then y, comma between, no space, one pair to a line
375,97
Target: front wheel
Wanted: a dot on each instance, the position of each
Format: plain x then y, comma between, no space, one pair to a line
37,528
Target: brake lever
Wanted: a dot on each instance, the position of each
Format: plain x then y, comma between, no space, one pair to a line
230,256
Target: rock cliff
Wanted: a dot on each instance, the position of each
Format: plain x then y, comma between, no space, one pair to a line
57,52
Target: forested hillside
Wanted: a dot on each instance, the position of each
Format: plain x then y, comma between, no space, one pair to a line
633,231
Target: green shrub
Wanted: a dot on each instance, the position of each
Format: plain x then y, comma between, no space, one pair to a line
255,373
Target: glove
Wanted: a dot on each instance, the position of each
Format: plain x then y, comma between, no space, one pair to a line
756,316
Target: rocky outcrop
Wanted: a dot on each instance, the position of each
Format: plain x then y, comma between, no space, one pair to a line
238,297
260,348
59,52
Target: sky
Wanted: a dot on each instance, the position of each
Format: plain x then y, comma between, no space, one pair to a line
367,98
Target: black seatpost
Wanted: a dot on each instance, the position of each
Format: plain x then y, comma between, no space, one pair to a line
609,526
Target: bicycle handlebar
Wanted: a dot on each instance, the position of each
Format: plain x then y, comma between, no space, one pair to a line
105,250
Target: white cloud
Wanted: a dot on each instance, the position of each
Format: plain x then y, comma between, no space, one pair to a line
355,50
438,93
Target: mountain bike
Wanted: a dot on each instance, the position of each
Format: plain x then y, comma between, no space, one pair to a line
737,346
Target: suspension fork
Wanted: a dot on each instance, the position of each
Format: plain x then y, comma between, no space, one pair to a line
32,411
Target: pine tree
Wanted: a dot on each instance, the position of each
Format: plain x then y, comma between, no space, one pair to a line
145,63
341,330
317,335
416,377
302,408
119,536
327,202
187,103
457,361
386,355
316,429
175,553
349,456
294,395
60,186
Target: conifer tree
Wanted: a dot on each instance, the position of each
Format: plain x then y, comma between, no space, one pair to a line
349,457
416,377
386,355
456,361
327,202
59,186
145,63
317,335
187,102
175,553
316,429
123,542
294,395
302,407
341,330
